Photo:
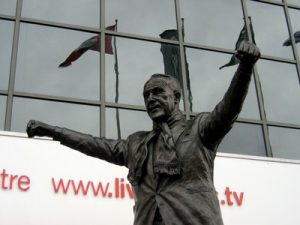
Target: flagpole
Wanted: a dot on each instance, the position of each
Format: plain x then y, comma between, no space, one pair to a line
116,67
251,29
187,69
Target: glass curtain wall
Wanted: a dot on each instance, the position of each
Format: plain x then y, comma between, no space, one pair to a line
82,65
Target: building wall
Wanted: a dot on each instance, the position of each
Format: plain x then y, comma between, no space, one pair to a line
43,182
36,36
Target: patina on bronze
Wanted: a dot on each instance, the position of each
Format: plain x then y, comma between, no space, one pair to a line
170,167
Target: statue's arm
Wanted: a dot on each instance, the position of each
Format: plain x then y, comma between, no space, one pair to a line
217,123
114,151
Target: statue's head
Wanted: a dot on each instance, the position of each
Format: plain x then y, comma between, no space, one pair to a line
162,96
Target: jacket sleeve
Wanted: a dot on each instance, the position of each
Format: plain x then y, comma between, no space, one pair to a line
215,125
113,151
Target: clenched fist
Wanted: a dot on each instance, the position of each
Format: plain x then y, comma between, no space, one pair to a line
248,52
37,128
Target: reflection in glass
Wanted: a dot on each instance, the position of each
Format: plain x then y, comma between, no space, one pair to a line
295,20
285,142
295,2
42,49
246,139
2,111
281,91
130,122
138,17
6,31
270,31
209,84
220,28
79,12
8,7
73,116
137,61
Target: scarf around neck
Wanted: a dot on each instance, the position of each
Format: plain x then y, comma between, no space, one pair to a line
165,159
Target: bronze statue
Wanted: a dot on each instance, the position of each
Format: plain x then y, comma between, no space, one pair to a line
170,167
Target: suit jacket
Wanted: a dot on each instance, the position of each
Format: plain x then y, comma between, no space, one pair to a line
186,199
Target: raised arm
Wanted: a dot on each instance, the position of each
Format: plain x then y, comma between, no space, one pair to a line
215,125
113,151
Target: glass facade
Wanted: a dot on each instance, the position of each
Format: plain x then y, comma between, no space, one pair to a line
8,7
6,30
37,63
2,111
82,65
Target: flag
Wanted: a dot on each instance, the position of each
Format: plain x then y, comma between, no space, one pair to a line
242,37
92,43
171,57
288,41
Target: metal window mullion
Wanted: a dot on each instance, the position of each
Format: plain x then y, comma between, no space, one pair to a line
13,64
7,17
54,98
294,47
182,60
293,6
271,2
284,125
258,89
102,69
58,25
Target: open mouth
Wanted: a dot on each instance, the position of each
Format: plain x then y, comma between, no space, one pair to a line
153,107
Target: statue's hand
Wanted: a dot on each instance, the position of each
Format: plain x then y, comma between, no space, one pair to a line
37,128
248,53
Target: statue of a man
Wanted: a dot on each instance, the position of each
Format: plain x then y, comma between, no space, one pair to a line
170,167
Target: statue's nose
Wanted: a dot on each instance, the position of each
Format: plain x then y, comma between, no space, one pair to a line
149,97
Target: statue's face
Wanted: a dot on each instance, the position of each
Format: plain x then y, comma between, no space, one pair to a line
159,99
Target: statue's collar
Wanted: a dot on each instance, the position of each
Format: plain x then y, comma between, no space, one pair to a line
177,118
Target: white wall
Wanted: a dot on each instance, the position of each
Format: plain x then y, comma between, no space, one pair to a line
259,191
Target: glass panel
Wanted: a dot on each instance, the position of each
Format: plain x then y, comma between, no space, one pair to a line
8,7
137,61
285,142
246,139
79,12
138,17
77,117
209,83
38,61
295,20
295,2
2,111
281,91
6,31
270,29
130,122
212,22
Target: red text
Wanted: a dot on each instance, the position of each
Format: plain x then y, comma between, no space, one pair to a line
119,189
10,181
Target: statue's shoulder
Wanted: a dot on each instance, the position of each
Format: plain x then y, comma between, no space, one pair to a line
138,136
200,117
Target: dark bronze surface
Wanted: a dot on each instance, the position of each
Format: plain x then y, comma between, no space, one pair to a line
170,167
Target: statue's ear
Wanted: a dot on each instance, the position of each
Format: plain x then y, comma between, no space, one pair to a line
177,97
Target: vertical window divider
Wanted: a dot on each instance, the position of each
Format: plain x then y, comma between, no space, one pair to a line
258,88
13,64
102,69
182,60
294,47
